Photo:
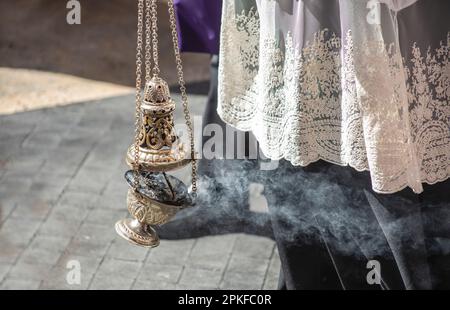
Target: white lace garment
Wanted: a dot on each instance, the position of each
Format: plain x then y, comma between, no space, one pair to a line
337,80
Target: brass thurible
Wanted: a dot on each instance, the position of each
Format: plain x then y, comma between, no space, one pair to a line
154,197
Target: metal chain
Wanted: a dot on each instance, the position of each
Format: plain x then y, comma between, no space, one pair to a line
151,15
138,88
148,31
184,99
155,37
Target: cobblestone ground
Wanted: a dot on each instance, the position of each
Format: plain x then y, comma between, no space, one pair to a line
62,190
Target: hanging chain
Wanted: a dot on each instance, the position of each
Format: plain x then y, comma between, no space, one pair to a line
184,99
155,37
151,26
148,32
138,88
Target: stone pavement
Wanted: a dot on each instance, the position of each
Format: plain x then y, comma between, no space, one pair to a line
61,191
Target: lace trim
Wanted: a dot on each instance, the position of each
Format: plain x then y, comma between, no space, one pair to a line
315,103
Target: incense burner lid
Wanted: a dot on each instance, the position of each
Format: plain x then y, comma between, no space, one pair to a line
156,91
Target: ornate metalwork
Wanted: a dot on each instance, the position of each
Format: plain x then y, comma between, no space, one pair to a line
149,211
146,212
137,233
156,148
156,198
159,148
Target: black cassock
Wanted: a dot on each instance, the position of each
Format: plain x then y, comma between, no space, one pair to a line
326,220
331,229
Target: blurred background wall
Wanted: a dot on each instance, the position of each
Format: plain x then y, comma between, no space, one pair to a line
34,34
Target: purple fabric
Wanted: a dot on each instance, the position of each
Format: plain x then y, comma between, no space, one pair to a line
198,25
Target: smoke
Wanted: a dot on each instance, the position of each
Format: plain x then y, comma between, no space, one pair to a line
323,203
222,203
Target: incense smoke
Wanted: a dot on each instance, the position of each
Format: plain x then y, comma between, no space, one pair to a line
312,205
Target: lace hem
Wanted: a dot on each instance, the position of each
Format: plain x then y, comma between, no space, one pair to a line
347,103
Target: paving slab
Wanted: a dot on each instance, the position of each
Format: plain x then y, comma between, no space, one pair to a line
61,191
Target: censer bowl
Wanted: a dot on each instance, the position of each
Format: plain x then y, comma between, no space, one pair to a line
154,201
149,211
